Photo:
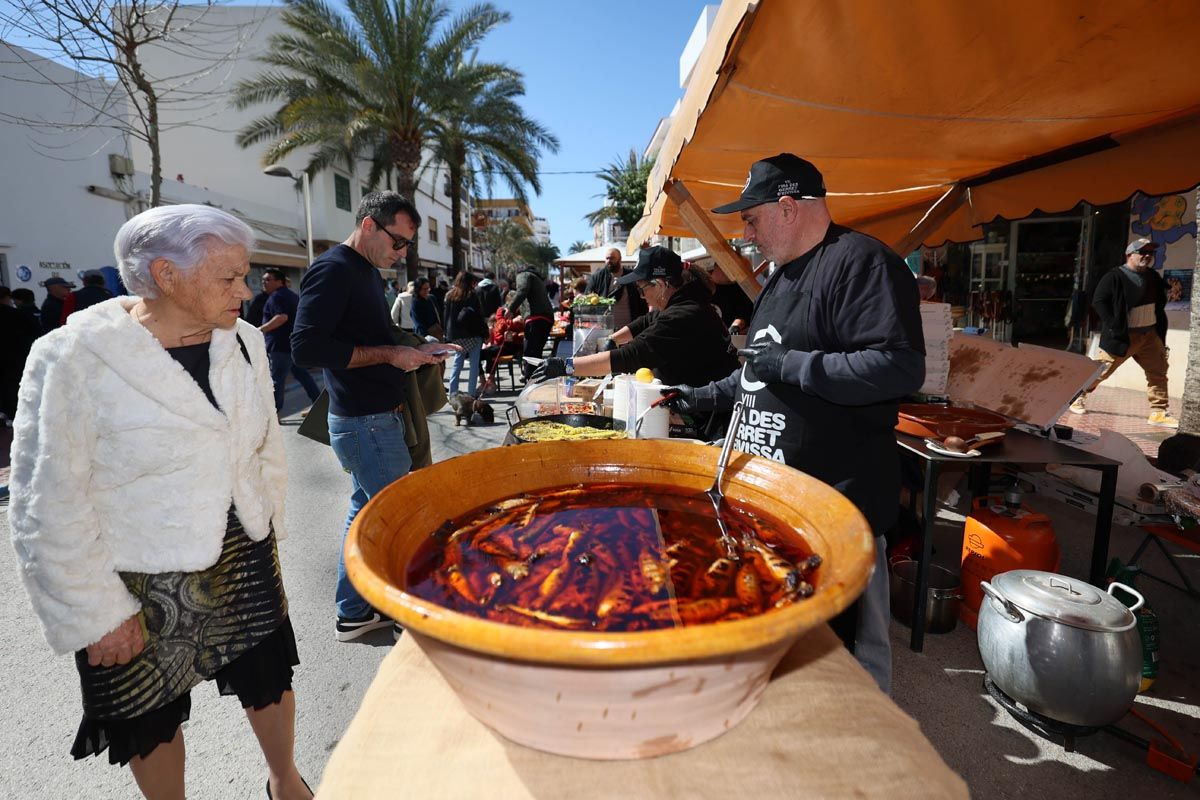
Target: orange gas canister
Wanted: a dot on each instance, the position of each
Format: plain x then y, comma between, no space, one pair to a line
1001,535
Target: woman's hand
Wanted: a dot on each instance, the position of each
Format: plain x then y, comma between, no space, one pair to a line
119,646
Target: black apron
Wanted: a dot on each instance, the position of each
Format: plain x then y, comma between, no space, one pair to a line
852,448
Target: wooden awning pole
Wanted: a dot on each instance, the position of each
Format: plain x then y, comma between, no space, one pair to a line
938,213
726,258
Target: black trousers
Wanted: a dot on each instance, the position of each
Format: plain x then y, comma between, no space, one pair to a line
537,331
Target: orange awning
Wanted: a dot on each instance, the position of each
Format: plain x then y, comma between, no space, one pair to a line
1029,105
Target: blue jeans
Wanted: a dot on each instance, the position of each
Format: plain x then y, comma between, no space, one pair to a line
372,449
456,369
281,365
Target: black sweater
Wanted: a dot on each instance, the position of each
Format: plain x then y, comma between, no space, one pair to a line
685,343
342,307
1109,303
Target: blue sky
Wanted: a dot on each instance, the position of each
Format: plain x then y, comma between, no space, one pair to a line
600,76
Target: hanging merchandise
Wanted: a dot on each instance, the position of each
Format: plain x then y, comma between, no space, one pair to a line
1147,620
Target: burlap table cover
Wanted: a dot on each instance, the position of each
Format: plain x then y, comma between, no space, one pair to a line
822,729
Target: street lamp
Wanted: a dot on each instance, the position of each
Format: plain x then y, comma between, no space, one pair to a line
280,171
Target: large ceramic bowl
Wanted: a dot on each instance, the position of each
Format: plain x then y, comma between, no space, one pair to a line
596,694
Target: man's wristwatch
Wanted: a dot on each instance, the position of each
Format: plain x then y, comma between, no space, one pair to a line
569,365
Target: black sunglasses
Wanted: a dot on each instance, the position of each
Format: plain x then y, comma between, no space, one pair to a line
398,242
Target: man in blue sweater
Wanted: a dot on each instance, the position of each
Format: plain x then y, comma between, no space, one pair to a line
343,325
834,342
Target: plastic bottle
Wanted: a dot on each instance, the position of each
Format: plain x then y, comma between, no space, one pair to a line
1147,620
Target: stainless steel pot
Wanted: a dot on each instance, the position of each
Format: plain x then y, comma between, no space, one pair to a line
1062,647
941,599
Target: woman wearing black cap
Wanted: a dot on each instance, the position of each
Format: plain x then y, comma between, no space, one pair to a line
681,339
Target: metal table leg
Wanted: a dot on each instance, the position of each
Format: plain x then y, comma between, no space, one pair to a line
1104,513
928,513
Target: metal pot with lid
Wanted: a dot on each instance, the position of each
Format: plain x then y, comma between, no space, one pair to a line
1060,646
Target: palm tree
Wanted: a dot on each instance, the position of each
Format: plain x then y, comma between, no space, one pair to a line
578,246
508,243
377,82
625,191
541,255
486,133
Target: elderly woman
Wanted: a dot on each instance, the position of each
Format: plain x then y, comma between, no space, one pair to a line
148,481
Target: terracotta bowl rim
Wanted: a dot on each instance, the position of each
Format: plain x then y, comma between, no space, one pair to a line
614,649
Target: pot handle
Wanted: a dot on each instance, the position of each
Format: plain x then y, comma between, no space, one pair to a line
1141,601
1010,611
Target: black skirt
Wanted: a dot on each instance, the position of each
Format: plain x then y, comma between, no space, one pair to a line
226,623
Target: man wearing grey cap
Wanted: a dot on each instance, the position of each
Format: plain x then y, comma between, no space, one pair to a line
57,291
834,342
1131,302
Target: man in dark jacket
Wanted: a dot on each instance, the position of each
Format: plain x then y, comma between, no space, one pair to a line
606,283
57,291
92,292
531,288
489,298
1131,302
834,342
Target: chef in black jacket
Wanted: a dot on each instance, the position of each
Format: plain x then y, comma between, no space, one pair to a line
834,342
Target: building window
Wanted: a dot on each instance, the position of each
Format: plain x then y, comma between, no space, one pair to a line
341,192
433,230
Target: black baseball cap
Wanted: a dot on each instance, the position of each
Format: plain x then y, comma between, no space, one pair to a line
654,262
57,281
784,175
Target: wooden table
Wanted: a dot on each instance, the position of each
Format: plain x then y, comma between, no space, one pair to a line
822,729
1017,447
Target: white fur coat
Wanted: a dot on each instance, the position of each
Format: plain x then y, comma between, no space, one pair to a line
120,463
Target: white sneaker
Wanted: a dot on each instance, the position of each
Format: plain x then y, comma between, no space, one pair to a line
1078,407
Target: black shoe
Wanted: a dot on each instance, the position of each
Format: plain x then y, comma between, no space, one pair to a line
349,628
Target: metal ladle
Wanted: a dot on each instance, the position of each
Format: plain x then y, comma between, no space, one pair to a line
715,494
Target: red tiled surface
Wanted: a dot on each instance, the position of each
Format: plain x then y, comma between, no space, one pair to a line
1123,411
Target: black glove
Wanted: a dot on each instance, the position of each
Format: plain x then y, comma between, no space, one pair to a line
550,368
765,358
610,344
690,399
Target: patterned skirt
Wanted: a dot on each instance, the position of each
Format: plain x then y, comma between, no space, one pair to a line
194,623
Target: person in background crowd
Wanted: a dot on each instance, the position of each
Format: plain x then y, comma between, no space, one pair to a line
280,314
253,312
682,339
390,292
402,308
507,339
25,301
18,331
489,296
426,319
466,328
342,325
1131,302
834,342
926,288
735,305
438,294
162,571
92,292
57,291
552,290
606,283
530,287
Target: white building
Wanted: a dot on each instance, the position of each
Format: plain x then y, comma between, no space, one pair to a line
541,230
50,224
202,160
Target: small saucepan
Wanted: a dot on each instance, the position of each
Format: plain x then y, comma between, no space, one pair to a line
941,599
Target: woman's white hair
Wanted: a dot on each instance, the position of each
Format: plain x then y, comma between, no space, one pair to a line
182,234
